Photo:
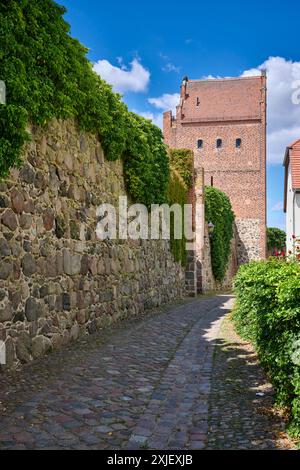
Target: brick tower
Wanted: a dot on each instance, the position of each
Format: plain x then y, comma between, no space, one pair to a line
224,122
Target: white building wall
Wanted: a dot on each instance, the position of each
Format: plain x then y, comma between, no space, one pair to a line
297,215
290,212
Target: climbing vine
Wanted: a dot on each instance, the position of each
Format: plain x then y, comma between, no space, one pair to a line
177,194
181,180
48,75
182,160
146,162
13,120
218,210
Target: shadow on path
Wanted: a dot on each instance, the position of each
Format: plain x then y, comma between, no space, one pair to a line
241,414
91,395
148,378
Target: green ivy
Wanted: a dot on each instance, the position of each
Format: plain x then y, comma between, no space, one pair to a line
146,162
181,180
218,210
48,76
13,120
268,314
177,194
182,160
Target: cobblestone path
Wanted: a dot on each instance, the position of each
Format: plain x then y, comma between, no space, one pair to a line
241,414
145,383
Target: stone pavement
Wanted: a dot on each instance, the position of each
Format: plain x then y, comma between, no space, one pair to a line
241,413
145,383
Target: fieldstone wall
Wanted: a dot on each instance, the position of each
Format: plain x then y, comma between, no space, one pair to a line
249,240
57,281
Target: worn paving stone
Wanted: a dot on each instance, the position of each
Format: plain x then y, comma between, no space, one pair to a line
145,383
238,418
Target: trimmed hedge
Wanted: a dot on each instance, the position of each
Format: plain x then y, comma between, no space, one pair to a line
48,76
268,314
218,210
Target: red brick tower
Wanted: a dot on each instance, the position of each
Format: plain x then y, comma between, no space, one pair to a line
224,122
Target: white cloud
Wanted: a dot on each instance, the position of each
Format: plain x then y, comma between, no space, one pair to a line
166,102
122,79
278,207
169,67
283,115
211,77
156,118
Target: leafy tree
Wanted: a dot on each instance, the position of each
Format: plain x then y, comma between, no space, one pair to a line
276,238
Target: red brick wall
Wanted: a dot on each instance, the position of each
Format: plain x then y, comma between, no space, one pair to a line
229,109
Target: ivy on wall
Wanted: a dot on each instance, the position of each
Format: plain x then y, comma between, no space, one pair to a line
218,210
177,194
146,162
182,160
13,120
181,180
48,76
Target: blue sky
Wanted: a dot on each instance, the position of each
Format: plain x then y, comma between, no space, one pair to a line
145,48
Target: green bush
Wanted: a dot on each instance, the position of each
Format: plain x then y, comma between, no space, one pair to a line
268,314
48,76
218,211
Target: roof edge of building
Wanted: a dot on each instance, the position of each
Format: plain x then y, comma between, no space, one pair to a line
224,79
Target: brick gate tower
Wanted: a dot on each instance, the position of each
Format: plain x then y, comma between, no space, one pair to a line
224,122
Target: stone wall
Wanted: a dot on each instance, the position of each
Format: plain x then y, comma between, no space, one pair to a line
248,248
57,281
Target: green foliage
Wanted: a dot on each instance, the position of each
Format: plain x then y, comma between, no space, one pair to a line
182,160
48,76
177,194
276,238
146,162
218,211
181,180
13,121
268,314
